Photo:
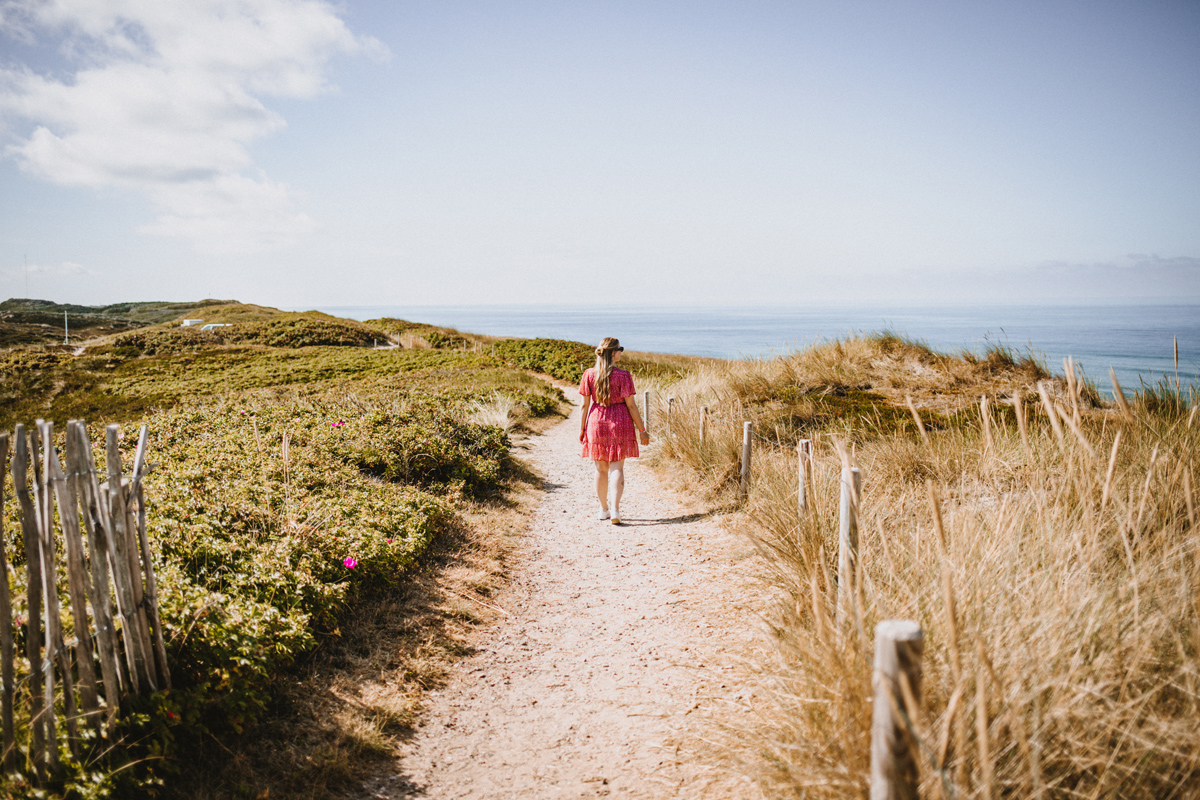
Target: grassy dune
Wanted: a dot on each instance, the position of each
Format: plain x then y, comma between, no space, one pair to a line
303,481
1058,598
1058,593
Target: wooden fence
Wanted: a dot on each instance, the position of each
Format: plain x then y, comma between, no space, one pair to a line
899,644
109,657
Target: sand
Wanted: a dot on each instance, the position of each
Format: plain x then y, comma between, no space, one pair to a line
619,660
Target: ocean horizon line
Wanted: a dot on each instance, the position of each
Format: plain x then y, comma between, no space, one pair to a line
1136,340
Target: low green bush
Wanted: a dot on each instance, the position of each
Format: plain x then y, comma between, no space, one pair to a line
286,331
302,332
285,544
561,359
260,547
423,447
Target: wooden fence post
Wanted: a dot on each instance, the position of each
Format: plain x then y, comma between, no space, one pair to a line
68,512
33,626
9,760
703,425
803,468
670,408
56,650
899,644
646,409
51,624
138,494
848,539
95,518
137,570
747,435
126,536
119,544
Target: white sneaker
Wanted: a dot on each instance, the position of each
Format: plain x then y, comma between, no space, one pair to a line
603,514
616,517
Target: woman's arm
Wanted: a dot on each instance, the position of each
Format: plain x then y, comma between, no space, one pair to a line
587,404
631,404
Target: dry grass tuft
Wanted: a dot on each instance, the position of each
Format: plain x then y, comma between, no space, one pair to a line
1061,609
502,411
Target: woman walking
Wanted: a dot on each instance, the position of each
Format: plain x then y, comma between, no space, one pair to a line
611,424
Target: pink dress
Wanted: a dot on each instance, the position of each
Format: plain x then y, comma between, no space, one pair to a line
610,435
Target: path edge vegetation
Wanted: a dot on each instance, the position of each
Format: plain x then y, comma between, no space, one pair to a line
1065,665
301,486
1057,585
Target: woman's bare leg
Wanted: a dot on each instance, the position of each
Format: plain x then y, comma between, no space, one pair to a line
602,484
616,470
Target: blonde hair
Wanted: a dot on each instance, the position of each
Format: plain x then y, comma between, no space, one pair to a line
604,367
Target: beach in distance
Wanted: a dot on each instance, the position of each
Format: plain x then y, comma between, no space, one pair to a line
1137,341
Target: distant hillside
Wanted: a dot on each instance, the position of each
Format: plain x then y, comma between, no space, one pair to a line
154,328
25,321
148,313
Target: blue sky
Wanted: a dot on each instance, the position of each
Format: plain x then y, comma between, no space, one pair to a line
308,153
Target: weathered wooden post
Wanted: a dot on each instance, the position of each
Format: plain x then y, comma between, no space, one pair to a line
43,518
9,759
747,434
152,616
848,539
141,628
646,409
899,644
33,574
68,504
670,408
123,573
803,467
703,425
56,650
96,522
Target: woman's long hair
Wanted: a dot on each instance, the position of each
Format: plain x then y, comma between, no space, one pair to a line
604,368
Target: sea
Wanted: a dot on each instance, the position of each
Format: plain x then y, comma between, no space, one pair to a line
1137,341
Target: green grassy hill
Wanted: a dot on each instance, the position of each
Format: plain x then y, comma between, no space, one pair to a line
287,446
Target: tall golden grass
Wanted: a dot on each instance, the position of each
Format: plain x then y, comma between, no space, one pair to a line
1047,547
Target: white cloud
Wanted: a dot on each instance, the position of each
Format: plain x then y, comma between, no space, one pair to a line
165,100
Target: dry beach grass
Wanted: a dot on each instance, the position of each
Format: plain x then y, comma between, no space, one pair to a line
1059,591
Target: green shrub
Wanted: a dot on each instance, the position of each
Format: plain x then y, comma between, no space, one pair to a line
542,405
261,542
561,359
160,341
426,448
258,555
302,332
286,331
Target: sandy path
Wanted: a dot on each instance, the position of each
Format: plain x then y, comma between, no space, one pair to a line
615,663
